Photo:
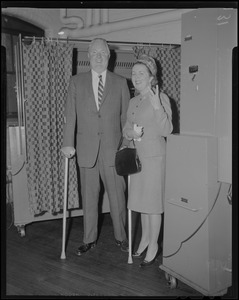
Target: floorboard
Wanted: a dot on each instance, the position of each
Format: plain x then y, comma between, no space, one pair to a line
34,267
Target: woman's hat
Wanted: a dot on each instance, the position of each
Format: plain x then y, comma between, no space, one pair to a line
149,62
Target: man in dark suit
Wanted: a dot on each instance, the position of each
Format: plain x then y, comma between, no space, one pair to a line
99,106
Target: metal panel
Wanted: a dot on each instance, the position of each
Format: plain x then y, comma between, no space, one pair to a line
198,48
197,244
227,40
208,37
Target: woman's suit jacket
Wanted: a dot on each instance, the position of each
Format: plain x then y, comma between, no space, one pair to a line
157,125
146,192
93,127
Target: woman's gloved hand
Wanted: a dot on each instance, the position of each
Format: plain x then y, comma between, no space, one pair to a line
154,98
139,131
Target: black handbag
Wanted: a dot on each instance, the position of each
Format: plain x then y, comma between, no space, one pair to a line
127,161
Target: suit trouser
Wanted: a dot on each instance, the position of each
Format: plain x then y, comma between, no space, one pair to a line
90,188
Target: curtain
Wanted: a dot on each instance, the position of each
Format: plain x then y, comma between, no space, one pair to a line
47,68
168,59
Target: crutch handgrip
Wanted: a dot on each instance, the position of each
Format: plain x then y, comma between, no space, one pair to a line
63,252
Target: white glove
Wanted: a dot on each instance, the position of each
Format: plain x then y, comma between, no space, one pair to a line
154,98
139,131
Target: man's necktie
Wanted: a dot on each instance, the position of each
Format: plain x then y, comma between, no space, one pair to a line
100,90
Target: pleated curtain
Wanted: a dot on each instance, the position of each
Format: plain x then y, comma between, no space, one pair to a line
47,68
168,59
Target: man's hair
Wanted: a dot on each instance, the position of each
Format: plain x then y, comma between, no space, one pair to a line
99,39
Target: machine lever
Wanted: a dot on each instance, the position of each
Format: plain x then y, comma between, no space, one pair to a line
191,209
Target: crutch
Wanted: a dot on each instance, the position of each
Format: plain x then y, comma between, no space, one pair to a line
63,252
130,261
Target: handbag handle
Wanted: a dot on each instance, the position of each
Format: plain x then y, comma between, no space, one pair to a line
120,142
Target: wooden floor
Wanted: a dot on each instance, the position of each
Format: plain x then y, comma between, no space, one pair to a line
34,267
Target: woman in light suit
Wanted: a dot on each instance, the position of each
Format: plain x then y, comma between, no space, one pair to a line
149,121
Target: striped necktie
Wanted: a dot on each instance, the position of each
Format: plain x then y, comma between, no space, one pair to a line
100,90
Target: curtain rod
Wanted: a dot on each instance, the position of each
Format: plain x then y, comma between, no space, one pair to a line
25,38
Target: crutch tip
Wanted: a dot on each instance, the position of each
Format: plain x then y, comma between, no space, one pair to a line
130,261
63,256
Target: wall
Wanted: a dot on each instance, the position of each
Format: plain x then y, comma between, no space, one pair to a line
50,20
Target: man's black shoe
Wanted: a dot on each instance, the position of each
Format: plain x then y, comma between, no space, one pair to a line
124,245
85,247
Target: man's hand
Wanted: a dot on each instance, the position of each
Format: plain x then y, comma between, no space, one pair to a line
68,152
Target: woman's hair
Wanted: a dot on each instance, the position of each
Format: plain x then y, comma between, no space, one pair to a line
149,62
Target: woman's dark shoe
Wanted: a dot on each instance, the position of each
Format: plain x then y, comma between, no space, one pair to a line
146,263
139,255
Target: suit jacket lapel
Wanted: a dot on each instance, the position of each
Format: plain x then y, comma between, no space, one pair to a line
90,92
108,83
